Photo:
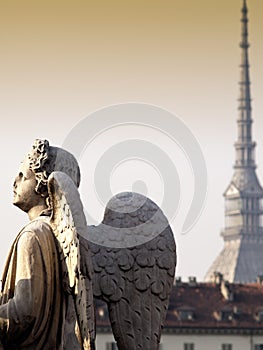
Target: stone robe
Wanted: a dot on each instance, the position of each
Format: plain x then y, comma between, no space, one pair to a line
32,310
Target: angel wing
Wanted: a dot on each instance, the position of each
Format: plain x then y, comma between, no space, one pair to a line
134,258
67,222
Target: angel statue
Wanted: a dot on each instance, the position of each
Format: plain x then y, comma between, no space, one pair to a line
58,264
43,278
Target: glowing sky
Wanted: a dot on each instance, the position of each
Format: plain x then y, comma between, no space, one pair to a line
62,60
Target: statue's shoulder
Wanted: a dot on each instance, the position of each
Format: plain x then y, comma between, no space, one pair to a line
41,222
37,229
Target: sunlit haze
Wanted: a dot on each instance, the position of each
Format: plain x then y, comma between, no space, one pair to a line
63,60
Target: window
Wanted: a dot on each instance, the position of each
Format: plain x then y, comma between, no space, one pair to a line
258,347
224,315
186,315
189,346
227,347
111,346
259,313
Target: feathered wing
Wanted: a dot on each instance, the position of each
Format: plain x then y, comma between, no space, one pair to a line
134,258
68,222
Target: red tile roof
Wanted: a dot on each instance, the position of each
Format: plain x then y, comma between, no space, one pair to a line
202,307
208,303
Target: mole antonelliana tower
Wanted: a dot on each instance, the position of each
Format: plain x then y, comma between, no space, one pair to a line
241,259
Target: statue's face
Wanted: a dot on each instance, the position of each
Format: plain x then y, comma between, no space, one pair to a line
25,196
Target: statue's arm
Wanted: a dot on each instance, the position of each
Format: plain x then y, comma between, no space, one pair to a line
18,314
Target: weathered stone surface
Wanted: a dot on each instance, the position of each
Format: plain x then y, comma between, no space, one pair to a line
35,297
57,263
135,280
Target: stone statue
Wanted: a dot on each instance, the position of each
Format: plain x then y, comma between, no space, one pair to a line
57,263
42,278
134,257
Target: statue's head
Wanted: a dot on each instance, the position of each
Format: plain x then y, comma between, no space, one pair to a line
39,163
44,159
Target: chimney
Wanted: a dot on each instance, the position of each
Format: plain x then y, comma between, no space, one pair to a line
178,281
192,281
227,291
259,279
217,277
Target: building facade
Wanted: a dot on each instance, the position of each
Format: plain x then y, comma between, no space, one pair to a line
204,316
241,258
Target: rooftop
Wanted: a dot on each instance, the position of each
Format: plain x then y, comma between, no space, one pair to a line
216,307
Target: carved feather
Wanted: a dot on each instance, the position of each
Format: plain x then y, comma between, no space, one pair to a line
67,222
136,280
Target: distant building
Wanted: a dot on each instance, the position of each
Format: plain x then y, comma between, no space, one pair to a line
205,316
226,311
241,259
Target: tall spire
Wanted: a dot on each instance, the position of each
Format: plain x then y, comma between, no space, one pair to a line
244,145
241,258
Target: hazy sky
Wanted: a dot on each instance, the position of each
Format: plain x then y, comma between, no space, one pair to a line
62,60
